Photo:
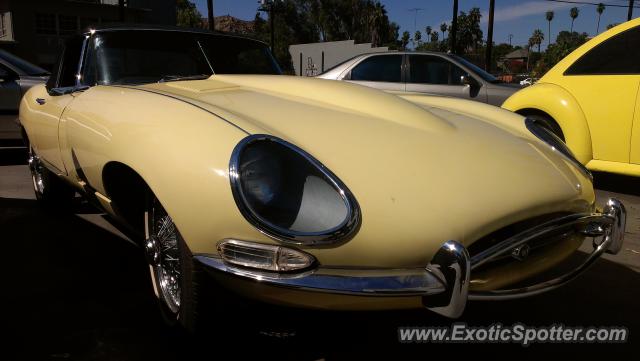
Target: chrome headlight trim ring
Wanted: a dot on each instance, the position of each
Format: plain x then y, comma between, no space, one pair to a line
342,233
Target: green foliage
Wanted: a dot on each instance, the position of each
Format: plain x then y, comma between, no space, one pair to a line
469,37
417,38
187,15
405,40
564,45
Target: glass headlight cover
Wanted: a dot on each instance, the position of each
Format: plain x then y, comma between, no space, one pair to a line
547,136
289,195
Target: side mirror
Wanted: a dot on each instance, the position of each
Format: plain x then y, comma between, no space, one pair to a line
4,75
470,81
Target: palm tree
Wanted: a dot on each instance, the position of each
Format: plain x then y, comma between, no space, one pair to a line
444,28
537,37
600,10
549,18
530,44
417,38
574,12
428,30
434,37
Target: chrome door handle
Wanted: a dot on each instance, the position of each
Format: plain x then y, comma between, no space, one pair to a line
40,101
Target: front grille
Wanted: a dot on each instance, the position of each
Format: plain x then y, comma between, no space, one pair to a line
511,230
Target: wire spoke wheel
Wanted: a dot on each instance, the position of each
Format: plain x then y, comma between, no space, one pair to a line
164,256
36,169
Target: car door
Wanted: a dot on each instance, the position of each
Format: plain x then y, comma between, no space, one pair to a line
434,74
380,71
51,101
9,89
634,153
605,81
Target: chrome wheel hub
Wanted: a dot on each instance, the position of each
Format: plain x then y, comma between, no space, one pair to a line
35,166
164,257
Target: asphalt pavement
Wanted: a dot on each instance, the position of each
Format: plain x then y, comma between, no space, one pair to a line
75,288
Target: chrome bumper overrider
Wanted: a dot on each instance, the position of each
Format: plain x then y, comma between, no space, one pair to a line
444,282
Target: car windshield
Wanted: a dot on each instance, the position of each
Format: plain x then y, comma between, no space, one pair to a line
22,65
146,56
476,69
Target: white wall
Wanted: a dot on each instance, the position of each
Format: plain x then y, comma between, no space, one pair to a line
335,52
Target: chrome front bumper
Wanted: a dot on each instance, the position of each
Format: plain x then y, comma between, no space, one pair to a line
444,283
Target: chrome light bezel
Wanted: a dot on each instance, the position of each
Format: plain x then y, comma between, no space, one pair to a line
341,233
556,144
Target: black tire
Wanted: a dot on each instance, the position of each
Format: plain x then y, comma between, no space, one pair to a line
50,190
548,123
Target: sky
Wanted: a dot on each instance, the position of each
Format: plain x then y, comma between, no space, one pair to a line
517,17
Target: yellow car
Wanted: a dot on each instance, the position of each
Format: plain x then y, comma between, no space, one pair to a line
304,192
591,100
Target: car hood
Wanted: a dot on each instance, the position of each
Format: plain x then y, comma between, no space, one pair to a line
421,173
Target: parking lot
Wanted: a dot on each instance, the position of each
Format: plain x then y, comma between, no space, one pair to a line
76,288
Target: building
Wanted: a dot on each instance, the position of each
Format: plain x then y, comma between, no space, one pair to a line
35,29
314,58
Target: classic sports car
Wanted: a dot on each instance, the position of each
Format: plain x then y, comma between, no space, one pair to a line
591,100
305,192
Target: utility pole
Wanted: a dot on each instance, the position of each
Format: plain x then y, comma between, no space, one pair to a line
487,64
212,24
454,27
630,14
121,11
267,6
415,17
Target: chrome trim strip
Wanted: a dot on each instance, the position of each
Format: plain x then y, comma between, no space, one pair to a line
613,219
584,221
358,282
347,229
81,61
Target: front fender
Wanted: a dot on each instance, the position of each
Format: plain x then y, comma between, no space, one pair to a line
563,108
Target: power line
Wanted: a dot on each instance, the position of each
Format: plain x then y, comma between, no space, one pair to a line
590,3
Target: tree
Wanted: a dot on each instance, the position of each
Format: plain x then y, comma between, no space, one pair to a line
469,37
187,14
417,38
434,37
444,28
428,30
537,37
361,20
611,26
530,44
600,10
405,40
549,15
566,42
574,12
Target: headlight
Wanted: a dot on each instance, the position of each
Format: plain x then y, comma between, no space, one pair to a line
289,195
547,136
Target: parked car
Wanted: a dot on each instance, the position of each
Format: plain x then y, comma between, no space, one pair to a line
528,81
423,72
16,77
301,191
590,100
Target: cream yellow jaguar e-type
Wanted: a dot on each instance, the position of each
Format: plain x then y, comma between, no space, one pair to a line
305,192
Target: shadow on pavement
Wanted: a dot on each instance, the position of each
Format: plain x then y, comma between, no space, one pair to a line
617,183
78,292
